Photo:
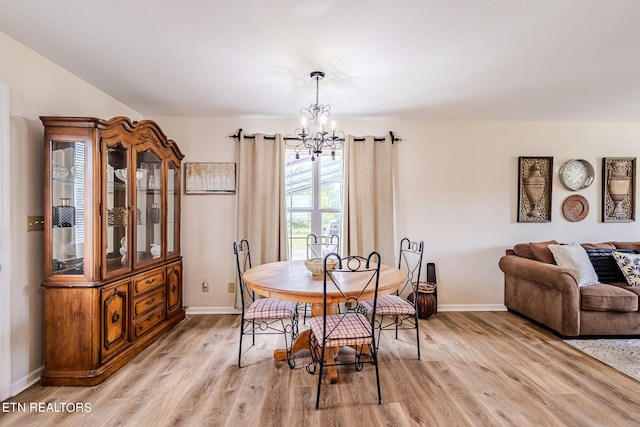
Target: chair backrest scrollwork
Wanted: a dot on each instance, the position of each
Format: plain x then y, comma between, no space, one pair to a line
410,262
243,263
321,246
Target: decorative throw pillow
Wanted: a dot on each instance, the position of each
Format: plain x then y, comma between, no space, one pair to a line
630,266
574,257
605,264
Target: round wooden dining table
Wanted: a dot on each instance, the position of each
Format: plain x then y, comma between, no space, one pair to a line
292,281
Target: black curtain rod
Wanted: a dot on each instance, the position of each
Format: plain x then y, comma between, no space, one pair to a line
239,134
287,138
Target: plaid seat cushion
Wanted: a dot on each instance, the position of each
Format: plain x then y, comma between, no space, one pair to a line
390,305
342,329
270,308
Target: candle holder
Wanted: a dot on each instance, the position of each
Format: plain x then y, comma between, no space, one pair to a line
64,215
154,214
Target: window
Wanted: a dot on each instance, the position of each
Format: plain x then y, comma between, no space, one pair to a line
314,199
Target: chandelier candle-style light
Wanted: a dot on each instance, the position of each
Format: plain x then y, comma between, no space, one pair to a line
315,135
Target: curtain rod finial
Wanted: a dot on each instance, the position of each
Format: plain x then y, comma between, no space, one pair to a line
237,135
393,137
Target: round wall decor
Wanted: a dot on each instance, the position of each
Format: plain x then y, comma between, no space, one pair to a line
575,208
576,174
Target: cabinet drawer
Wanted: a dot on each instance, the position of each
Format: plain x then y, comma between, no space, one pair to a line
146,322
148,303
147,282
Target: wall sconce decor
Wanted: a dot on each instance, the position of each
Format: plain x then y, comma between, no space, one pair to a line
534,189
618,189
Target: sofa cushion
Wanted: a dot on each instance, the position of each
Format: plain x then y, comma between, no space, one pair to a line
574,257
523,250
625,285
634,246
605,245
603,297
630,266
605,264
541,251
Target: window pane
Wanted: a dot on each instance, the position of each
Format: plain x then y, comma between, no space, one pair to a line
314,199
298,182
331,224
331,182
299,226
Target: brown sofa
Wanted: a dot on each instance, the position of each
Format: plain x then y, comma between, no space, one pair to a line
537,288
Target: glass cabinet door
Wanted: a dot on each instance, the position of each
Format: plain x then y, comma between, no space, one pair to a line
67,192
117,208
173,206
148,207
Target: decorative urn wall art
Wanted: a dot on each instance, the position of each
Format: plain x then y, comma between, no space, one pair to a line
534,189
618,189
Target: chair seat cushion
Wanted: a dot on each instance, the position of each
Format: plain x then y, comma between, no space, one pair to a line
390,305
270,308
342,329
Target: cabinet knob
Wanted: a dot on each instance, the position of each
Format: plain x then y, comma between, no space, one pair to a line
115,318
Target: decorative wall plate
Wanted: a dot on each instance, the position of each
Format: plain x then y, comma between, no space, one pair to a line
576,174
575,208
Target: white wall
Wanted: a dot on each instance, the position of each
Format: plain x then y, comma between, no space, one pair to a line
456,190
38,87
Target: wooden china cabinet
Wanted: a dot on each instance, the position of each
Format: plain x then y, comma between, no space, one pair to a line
113,269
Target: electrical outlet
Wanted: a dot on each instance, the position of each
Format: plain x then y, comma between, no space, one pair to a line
231,287
205,286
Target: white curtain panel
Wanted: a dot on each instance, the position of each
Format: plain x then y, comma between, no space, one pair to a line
368,197
261,198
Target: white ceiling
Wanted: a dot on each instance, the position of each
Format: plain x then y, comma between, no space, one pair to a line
565,60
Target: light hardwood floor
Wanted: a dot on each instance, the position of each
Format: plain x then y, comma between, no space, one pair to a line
477,369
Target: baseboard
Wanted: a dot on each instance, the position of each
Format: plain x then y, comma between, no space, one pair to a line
25,382
472,307
213,310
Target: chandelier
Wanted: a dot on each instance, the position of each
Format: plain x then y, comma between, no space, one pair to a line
315,135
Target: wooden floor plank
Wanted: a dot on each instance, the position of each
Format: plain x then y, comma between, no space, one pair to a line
477,369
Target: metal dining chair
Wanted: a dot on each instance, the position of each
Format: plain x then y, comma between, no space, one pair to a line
351,327
319,247
396,311
263,315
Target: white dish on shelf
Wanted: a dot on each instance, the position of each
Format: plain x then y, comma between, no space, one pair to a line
121,174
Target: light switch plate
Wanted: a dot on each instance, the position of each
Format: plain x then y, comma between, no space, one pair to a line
35,223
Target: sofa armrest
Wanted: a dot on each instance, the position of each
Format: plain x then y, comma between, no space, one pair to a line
549,275
546,293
